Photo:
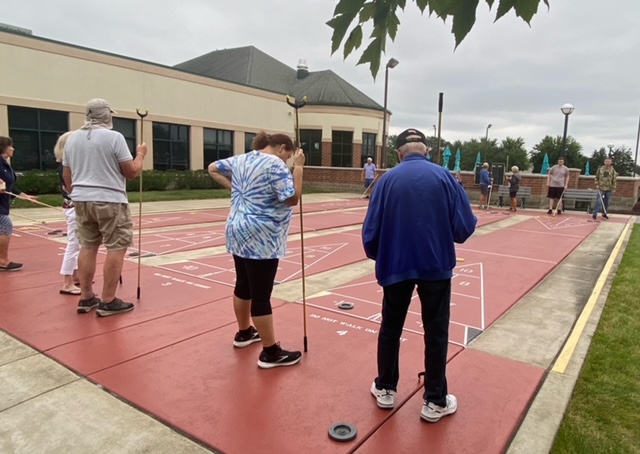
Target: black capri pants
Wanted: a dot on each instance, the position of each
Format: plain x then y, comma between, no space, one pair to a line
254,281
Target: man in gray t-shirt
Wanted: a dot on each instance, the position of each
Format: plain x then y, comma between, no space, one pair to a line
96,165
557,182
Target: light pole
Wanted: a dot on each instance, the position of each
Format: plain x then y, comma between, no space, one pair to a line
567,110
610,147
435,131
390,65
486,140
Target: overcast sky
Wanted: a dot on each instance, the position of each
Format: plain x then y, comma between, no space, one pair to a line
510,75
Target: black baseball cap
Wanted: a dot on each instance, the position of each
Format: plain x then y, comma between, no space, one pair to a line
410,135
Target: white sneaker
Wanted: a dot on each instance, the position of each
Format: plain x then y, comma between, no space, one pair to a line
432,413
385,398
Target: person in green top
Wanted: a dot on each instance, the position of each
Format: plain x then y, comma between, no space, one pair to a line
606,185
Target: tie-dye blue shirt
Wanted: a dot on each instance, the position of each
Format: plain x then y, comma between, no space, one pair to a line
258,223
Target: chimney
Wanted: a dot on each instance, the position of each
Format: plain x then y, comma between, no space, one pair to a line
303,69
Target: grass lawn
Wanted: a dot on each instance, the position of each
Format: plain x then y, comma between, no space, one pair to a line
148,196
604,413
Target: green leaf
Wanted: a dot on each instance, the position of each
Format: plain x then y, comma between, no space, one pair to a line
422,4
393,25
348,7
504,7
464,17
440,7
526,9
340,24
372,55
367,12
490,3
353,41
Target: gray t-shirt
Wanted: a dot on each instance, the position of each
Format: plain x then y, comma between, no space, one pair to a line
558,176
95,165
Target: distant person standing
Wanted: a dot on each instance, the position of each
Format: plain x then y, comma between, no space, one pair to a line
485,184
368,175
415,247
96,164
514,187
557,182
8,184
605,179
69,267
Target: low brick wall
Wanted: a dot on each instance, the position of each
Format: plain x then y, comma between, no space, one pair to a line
350,180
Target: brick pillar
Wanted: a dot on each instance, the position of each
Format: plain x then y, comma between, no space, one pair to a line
574,176
378,162
326,154
357,155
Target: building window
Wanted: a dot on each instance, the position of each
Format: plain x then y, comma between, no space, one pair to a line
248,140
342,149
311,141
368,147
218,144
35,133
127,128
170,146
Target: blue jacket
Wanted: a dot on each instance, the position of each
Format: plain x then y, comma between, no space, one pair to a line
485,177
9,176
417,212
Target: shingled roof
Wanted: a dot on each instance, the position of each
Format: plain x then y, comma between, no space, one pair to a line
251,67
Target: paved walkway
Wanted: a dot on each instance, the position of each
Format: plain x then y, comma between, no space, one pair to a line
46,408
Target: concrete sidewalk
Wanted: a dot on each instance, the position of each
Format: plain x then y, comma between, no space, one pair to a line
46,408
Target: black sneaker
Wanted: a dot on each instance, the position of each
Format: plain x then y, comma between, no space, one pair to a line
246,339
605,216
11,266
281,358
117,306
550,212
85,306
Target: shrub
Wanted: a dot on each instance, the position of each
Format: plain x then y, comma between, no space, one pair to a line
47,182
39,182
170,180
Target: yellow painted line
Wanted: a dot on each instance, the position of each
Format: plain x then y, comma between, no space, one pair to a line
562,362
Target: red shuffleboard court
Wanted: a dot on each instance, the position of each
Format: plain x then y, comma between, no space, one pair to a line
42,259
162,243
493,396
153,220
178,218
322,253
44,319
141,338
215,393
499,268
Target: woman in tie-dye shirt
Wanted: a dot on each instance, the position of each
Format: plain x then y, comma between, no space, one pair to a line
263,194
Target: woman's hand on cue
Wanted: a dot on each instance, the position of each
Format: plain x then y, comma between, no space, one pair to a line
298,158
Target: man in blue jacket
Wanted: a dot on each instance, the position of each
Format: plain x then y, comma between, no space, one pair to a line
416,214
485,184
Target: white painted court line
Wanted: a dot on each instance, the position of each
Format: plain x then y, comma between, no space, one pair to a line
481,298
544,233
508,256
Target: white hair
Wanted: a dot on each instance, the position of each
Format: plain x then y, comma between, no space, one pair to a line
515,169
412,147
58,150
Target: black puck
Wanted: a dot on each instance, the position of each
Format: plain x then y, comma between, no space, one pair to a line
345,306
342,431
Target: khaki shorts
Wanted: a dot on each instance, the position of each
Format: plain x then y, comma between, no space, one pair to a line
104,223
